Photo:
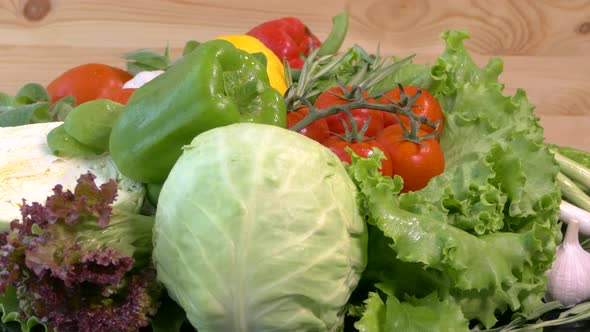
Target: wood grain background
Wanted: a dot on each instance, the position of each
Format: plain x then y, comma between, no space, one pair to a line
545,44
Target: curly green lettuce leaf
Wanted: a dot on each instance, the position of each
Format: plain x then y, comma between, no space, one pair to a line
427,314
483,233
11,321
413,254
494,141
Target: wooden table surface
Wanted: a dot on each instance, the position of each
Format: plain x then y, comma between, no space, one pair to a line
545,44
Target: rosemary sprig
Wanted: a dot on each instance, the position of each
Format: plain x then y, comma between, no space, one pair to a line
367,70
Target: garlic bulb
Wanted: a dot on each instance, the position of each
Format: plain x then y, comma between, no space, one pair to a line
568,280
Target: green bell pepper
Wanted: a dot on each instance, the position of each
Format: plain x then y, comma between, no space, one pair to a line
215,85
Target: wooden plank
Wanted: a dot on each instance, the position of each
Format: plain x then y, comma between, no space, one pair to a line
545,44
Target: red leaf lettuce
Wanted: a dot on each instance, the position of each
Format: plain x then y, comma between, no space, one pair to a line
78,265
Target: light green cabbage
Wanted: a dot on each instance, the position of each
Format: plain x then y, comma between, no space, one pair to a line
258,229
29,170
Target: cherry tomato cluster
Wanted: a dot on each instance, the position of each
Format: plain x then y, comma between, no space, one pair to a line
417,158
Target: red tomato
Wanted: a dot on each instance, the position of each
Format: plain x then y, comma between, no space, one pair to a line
88,82
416,163
426,105
334,96
362,149
122,96
317,130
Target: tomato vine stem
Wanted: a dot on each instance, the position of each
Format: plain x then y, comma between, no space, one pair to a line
359,101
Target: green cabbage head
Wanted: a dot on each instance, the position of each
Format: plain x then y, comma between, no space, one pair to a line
257,229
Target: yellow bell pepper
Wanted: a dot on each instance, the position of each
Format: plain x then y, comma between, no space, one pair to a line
274,66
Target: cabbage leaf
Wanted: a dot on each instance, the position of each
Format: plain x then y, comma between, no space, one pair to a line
258,229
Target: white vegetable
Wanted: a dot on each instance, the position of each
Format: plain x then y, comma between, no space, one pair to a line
568,280
142,78
569,212
29,170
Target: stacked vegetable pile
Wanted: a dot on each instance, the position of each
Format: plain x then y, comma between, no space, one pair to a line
269,182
